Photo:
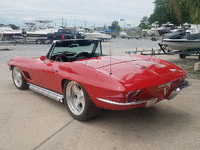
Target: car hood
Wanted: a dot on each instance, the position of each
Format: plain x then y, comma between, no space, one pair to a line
135,69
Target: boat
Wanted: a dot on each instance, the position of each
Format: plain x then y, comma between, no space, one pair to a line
7,33
34,34
123,34
151,32
166,28
81,29
182,40
182,44
97,35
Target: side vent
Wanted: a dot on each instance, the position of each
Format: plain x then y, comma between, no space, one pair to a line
27,75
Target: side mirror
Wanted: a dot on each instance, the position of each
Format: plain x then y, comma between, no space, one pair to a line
43,57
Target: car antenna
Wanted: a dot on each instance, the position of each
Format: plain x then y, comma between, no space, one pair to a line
110,59
110,45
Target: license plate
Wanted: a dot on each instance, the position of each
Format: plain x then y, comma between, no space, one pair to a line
151,102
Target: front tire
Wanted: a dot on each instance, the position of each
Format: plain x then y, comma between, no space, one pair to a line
182,56
78,102
19,79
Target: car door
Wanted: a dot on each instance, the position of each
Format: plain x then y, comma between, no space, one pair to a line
46,75
52,78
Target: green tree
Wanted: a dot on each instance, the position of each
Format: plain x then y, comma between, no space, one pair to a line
163,12
176,11
115,23
194,10
144,23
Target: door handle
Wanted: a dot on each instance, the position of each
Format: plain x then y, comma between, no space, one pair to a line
55,70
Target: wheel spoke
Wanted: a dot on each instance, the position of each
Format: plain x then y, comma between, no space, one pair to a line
75,98
80,100
76,89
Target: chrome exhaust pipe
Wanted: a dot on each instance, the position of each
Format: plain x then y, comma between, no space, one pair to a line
53,95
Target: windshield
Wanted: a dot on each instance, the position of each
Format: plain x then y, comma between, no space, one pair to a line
76,47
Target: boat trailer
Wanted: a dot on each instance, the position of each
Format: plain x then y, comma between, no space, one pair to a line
164,50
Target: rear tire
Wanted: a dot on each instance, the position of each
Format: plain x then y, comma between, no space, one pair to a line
45,42
19,79
38,42
182,56
78,102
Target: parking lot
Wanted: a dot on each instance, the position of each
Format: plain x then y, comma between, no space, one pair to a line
29,120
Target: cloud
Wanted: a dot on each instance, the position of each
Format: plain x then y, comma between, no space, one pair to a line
99,12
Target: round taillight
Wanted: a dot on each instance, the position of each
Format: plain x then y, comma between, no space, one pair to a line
138,93
130,94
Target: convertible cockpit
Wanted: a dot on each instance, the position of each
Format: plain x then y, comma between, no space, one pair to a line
73,50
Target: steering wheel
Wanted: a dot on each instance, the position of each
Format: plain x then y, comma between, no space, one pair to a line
83,55
62,58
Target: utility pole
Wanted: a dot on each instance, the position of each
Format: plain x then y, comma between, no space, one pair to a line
62,22
85,24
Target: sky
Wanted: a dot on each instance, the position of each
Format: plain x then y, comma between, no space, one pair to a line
75,12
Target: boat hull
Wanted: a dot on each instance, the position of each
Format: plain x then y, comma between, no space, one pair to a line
97,36
182,44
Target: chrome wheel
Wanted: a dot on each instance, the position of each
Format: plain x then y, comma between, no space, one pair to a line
17,77
75,98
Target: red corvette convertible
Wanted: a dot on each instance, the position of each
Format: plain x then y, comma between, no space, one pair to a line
75,73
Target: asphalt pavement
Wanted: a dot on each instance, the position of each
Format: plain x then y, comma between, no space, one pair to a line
29,120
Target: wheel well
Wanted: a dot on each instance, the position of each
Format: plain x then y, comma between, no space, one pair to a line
63,82
11,67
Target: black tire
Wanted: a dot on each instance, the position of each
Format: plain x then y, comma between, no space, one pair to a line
45,42
78,102
19,79
182,56
38,42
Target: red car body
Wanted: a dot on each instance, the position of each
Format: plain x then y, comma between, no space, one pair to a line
116,82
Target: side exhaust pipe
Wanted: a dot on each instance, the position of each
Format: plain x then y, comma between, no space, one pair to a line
53,95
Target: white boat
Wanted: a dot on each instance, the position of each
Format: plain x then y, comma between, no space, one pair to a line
7,33
146,32
183,40
80,29
33,33
182,44
123,34
97,35
166,28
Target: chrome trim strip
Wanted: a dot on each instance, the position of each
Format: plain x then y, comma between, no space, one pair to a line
55,96
122,104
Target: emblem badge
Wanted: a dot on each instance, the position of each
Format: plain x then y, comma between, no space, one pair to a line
173,70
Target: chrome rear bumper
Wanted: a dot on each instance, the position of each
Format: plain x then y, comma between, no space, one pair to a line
176,91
